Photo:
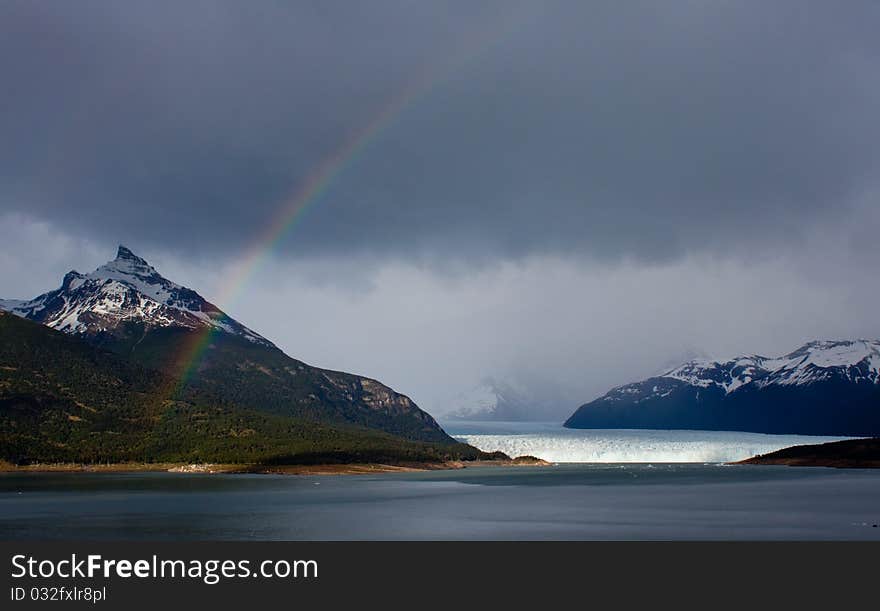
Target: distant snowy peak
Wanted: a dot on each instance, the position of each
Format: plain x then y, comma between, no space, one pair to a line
477,403
496,399
127,289
856,361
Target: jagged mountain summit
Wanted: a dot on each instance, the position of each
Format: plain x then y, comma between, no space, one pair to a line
823,387
125,290
128,308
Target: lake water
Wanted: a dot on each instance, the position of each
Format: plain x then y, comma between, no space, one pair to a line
624,500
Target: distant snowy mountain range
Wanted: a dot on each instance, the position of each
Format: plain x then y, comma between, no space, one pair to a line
823,387
507,399
125,290
491,399
854,361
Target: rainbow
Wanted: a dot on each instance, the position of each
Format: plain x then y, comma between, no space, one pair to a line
320,179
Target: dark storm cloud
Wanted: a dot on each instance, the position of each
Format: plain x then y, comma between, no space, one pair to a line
613,129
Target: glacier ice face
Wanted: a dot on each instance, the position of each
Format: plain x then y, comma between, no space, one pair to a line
557,444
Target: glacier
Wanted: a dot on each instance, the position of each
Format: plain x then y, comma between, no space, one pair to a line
554,443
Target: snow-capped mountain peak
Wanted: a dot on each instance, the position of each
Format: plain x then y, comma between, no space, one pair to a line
852,360
126,289
823,387
127,265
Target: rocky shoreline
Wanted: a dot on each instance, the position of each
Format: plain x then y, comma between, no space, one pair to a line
318,469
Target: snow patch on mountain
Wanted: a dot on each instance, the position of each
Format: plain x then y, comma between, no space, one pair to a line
10,305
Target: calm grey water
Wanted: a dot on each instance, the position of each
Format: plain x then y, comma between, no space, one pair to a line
572,501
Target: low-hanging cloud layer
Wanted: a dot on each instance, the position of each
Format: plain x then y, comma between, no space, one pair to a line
569,193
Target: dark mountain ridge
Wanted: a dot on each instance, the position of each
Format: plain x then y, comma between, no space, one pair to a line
822,388
64,400
847,454
128,308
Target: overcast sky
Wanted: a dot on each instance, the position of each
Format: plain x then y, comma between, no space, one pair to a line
570,194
